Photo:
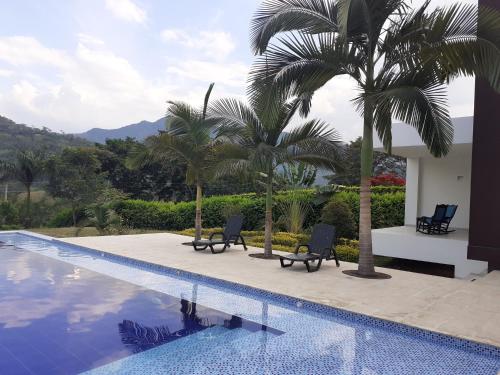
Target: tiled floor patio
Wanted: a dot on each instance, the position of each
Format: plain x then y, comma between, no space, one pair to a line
464,308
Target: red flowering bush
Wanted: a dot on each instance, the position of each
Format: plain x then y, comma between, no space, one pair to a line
388,179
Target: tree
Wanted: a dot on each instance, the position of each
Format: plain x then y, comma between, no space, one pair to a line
101,215
149,181
74,175
259,143
27,167
190,139
383,163
400,59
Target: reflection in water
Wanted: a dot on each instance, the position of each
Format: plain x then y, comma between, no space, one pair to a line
139,337
60,318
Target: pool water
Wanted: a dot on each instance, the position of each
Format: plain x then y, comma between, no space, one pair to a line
64,310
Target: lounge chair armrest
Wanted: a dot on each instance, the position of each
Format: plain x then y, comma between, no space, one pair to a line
299,245
216,234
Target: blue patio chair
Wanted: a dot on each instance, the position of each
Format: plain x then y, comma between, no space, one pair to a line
321,246
439,222
230,235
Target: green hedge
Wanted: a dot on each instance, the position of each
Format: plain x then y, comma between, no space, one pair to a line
377,189
387,210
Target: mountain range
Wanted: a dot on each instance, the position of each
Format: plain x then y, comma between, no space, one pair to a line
139,131
15,137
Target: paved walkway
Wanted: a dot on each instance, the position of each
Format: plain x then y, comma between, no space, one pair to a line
468,309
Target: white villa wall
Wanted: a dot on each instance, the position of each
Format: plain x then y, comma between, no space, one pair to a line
445,180
430,181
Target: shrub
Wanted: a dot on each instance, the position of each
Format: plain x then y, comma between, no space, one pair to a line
388,179
64,218
9,214
167,215
347,253
338,213
387,208
293,215
377,189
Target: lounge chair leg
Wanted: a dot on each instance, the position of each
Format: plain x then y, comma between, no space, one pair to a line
284,265
307,266
319,264
218,251
243,243
336,258
310,269
199,248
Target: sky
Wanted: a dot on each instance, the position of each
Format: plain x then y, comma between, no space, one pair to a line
78,64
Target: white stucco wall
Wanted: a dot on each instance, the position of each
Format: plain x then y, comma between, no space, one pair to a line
433,181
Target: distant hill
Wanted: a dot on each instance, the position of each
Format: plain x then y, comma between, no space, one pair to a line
15,137
139,131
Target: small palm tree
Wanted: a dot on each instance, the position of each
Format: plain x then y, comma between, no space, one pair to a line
189,138
294,209
27,167
298,176
399,58
257,141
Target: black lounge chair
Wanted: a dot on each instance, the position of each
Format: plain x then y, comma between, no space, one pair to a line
321,246
230,235
439,222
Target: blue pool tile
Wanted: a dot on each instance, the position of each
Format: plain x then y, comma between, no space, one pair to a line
303,337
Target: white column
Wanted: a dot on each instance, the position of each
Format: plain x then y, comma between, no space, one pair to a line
412,187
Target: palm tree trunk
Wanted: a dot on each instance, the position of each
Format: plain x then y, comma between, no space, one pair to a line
27,223
366,264
197,220
268,230
73,214
6,192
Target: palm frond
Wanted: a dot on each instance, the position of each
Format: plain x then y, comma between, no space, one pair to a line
315,143
276,16
302,63
465,40
420,100
312,129
236,121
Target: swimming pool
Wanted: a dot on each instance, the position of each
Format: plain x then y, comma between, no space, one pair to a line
67,310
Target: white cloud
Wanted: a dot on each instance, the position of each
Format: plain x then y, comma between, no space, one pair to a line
92,88
6,73
216,45
25,50
89,39
230,74
126,10
95,87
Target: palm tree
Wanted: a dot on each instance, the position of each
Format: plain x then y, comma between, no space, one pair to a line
26,168
399,58
189,138
258,141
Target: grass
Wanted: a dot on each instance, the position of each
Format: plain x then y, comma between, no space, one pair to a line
85,232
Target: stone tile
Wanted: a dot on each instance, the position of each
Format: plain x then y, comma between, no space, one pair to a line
449,306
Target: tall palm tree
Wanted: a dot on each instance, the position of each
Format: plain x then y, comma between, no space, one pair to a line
399,58
26,168
189,138
259,139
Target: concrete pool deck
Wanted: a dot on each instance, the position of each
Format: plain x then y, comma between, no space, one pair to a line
462,308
